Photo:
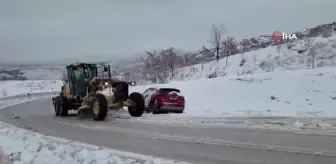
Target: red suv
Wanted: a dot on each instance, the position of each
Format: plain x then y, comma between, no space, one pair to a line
159,100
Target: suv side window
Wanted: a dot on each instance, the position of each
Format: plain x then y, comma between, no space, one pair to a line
145,92
152,90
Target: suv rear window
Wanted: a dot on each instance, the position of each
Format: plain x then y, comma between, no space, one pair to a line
168,90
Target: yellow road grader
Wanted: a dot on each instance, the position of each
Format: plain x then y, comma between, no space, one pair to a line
93,95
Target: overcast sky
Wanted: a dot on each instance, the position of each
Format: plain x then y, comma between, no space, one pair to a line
39,30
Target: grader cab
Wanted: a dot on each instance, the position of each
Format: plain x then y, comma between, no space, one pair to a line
90,90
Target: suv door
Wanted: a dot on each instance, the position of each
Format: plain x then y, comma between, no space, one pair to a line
148,95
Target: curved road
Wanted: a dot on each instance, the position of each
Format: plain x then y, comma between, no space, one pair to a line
216,145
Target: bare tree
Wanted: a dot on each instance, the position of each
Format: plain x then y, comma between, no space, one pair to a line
187,59
160,68
149,65
158,64
217,34
170,60
254,61
245,46
312,54
229,47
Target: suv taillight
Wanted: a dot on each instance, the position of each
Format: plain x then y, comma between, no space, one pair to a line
180,99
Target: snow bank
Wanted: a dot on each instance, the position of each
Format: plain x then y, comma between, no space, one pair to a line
12,88
304,93
23,147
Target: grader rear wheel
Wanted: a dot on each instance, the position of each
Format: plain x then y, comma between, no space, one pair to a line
99,107
57,106
63,106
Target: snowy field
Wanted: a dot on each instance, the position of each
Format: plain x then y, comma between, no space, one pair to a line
32,72
304,93
13,88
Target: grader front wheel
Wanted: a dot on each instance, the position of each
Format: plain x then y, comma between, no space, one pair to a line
138,107
99,107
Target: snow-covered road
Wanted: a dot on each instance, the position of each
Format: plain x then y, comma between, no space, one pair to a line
22,146
195,144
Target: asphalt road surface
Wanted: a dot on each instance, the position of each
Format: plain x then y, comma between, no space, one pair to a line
216,145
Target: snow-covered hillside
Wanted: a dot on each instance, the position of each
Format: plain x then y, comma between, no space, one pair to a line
304,93
290,56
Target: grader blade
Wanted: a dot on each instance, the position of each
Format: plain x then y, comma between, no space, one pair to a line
84,112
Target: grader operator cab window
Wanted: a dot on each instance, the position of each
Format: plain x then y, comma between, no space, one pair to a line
78,79
104,71
91,72
80,75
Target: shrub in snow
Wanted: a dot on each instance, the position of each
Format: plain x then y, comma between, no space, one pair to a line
274,98
4,93
212,75
299,124
242,62
244,72
333,45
